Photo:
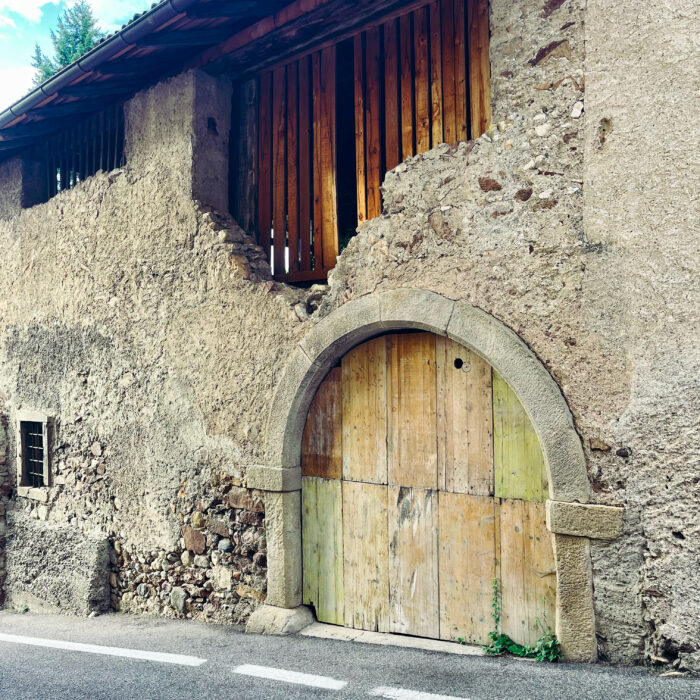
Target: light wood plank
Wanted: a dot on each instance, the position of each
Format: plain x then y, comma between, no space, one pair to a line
305,179
321,446
413,561
328,152
322,548
365,552
479,66
405,42
412,453
421,79
448,72
293,166
265,163
435,75
467,526
461,87
528,586
279,175
358,58
373,124
392,142
465,420
518,461
364,412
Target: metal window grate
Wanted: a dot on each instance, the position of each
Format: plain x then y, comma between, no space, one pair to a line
71,155
33,453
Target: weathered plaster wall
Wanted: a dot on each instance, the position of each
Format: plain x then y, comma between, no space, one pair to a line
642,296
148,325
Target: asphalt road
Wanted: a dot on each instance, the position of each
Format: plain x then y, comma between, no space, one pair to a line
217,662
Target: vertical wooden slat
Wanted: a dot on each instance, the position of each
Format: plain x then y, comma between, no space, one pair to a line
318,137
247,171
364,412
467,526
358,57
265,163
413,561
305,183
448,71
518,461
102,140
479,66
412,452
373,124
435,75
328,154
321,453
365,553
279,145
461,88
465,420
292,167
527,570
392,142
406,40
322,548
421,79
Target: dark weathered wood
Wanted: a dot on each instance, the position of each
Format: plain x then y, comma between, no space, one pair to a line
373,124
479,66
279,139
187,37
265,163
247,171
138,66
328,154
392,141
292,166
305,181
448,72
104,89
240,9
435,74
407,112
461,91
318,137
360,169
421,79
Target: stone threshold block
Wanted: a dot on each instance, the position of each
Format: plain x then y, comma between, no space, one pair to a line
269,619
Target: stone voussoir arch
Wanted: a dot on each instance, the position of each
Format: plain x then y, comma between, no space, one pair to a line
569,517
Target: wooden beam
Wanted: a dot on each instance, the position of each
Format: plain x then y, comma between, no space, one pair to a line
185,38
100,89
138,66
64,110
235,8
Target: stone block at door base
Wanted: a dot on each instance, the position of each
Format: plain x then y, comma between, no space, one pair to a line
269,619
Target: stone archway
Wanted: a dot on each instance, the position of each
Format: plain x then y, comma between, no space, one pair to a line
569,517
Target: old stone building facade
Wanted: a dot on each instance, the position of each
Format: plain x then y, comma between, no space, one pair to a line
143,327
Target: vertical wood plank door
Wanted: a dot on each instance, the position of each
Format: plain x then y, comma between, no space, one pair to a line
423,482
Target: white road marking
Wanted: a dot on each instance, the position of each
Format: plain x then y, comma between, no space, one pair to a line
107,651
280,674
403,694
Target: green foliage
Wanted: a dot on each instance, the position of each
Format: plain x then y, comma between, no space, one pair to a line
546,648
76,33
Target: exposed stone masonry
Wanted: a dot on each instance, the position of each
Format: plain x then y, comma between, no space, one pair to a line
5,491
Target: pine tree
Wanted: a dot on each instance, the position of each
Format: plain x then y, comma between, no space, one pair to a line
76,33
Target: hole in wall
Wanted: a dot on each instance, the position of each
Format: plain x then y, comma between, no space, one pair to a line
211,125
459,363
678,534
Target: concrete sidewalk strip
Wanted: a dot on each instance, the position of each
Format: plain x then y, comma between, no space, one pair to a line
139,654
280,674
404,694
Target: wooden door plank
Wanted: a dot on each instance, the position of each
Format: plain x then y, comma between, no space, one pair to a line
328,154
465,420
467,526
435,75
365,553
518,461
412,451
528,585
364,412
448,72
318,137
358,57
373,124
293,166
279,174
322,548
461,87
321,453
265,163
406,58
421,79
392,143
413,561
479,66
305,180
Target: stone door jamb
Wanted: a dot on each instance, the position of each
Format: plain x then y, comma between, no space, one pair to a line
569,516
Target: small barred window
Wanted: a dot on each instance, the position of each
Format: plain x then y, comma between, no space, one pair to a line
33,450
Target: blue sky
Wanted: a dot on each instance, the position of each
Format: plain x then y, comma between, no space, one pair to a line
24,23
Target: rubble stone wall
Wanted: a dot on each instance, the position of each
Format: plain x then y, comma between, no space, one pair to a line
146,322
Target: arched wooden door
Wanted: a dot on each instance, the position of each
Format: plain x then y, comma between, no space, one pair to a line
423,481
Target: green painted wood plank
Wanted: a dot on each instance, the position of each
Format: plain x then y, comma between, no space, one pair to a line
518,461
309,540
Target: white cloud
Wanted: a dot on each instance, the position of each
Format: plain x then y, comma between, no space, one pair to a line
16,83
29,9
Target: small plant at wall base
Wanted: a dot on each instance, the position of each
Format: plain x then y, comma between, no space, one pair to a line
546,648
